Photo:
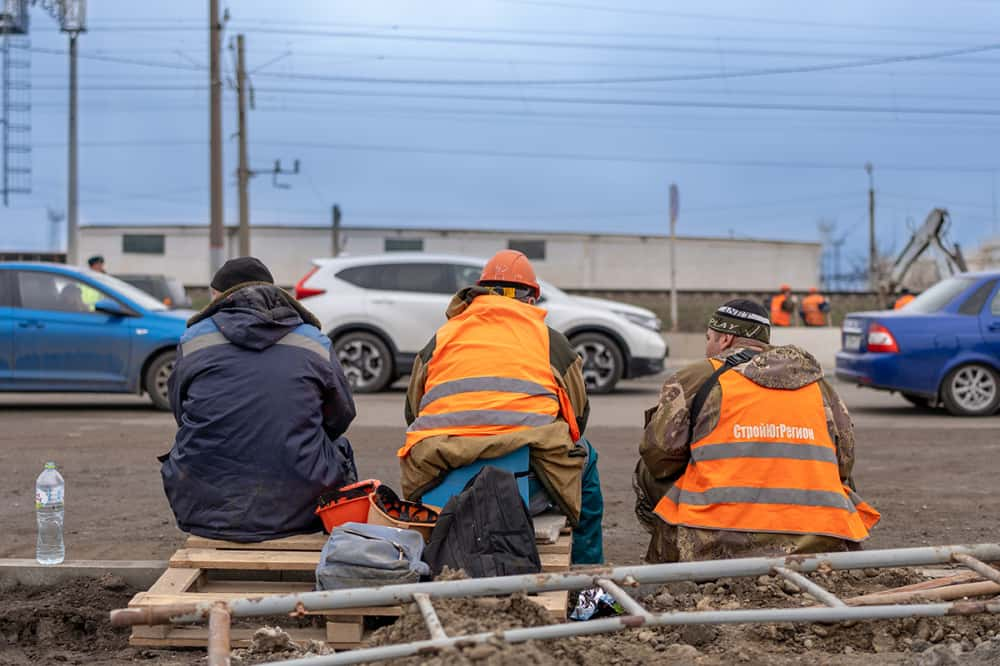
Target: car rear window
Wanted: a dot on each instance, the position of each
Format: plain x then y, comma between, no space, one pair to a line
974,304
417,277
940,295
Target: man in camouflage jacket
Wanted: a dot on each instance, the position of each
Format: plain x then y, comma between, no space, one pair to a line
665,449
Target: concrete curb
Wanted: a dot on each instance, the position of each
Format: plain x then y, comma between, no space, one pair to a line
140,574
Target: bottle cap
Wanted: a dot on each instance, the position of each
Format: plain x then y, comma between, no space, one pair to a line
50,465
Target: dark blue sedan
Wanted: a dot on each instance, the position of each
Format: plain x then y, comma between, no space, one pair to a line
941,348
64,329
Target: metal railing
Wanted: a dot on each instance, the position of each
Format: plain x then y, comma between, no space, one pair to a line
611,580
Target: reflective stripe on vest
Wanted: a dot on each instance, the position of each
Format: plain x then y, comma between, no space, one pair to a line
778,316
768,466
490,374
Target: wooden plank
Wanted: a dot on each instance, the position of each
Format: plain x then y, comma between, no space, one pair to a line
198,636
554,562
554,602
248,587
548,527
176,580
257,560
346,631
298,542
947,593
563,545
149,599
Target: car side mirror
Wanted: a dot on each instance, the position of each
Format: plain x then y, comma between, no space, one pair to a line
111,307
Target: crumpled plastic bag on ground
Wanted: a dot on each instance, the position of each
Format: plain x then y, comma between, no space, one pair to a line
595,603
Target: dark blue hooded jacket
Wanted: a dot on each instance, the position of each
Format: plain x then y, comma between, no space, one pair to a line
261,405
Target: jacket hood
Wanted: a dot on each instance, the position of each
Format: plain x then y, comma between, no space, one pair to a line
463,299
786,367
255,315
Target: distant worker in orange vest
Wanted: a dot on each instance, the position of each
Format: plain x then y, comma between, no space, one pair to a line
815,308
748,453
905,296
783,307
495,379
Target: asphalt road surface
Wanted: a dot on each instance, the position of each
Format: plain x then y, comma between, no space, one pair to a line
929,474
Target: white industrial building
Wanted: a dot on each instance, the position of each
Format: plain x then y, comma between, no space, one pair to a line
569,260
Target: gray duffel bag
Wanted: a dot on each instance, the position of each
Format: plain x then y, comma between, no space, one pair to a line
362,555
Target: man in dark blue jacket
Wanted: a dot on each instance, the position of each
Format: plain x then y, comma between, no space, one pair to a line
261,405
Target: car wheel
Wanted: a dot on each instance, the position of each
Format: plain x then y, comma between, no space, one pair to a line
971,390
157,374
918,400
366,360
603,361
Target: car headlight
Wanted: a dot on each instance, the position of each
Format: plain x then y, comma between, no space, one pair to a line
652,323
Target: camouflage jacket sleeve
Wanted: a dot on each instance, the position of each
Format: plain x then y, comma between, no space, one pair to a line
418,377
841,429
665,448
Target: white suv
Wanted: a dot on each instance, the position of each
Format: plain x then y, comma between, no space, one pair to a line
381,310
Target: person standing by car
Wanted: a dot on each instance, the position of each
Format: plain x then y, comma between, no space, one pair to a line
749,452
88,294
96,264
815,309
495,379
782,307
261,406
905,296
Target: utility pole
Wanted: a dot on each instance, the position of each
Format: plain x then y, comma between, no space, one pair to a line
243,171
675,205
872,249
72,185
336,230
216,230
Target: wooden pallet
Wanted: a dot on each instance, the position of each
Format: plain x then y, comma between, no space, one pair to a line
210,570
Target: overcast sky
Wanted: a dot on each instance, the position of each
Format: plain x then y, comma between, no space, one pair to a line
534,114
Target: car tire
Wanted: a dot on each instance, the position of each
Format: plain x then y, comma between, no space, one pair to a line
920,401
971,390
603,361
366,360
155,381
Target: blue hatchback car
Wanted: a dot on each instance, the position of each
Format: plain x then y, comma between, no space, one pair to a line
941,348
65,329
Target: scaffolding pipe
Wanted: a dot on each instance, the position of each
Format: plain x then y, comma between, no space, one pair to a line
811,588
430,617
981,568
610,625
573,580
631,606
219,644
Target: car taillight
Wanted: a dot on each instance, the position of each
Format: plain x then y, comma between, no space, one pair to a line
881,340
302,291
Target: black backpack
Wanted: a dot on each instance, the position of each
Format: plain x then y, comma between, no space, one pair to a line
485,530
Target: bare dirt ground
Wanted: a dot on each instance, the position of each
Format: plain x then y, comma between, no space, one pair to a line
929,474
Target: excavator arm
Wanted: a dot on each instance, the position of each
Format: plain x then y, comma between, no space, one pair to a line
933,232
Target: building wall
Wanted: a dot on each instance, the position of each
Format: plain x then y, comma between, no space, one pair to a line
572,261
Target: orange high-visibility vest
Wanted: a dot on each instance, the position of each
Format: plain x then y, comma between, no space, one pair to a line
778,316
490,374
810,309
768,466
902,300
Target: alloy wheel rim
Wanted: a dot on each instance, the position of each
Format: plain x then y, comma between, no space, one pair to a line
598,363
362,363
974,388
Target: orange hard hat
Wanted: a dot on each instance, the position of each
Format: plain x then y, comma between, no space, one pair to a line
512,267
784,287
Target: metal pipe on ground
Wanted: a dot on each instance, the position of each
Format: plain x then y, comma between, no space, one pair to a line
981,568
574,580
430,617
809,587
610,625
219,644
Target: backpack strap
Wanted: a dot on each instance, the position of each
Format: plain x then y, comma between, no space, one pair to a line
733,360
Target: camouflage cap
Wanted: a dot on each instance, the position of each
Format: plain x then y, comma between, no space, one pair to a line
742,318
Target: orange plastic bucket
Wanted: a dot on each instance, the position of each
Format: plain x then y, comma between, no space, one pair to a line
387,509
346,505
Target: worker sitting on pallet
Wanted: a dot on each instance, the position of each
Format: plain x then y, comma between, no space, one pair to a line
261,405
495,379
748,452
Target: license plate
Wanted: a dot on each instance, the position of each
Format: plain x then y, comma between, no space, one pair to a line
852,341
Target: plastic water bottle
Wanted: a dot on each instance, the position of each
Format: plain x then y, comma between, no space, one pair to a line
50,492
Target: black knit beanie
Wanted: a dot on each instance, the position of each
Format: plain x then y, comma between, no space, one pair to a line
742,318
240,270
